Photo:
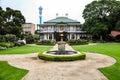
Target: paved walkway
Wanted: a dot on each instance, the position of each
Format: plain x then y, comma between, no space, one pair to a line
73,70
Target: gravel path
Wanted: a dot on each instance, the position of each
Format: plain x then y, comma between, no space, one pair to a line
75,70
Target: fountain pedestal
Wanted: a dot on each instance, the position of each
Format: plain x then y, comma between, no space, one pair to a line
61,45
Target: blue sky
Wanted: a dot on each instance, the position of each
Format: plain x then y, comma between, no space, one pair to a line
29,8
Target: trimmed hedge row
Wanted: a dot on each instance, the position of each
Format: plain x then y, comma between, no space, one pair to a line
78,42
46,42
61,58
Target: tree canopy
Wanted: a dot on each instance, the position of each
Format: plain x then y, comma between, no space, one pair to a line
101,17
11,21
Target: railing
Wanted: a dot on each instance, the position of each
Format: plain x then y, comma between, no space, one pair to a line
51,31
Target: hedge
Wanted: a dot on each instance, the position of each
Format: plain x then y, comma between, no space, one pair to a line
46,42
61,57
78,42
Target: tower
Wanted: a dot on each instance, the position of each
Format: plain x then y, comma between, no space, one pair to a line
40,14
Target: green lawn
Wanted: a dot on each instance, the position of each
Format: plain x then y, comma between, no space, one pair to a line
111,49
25,49
8,72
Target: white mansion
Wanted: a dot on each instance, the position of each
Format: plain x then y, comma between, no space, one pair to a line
67,28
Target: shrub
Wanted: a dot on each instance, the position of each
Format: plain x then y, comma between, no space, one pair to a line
7,38
11,44
36,37
4,44
29,38
117,38
2,39
10,38
19,43
61,58
46,42
77,42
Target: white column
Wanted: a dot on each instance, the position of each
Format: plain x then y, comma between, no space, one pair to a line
78,36
52,36
42,37
70,36
74,36
45,37
48,36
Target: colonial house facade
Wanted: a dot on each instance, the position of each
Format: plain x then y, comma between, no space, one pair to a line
65,27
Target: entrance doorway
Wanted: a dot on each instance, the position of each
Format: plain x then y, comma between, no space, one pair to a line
58,36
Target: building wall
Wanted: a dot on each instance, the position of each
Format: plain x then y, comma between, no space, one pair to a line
47,31
29,28
58,28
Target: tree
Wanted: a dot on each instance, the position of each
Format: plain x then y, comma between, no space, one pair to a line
114,18
101,17
2,20
11,22
117,27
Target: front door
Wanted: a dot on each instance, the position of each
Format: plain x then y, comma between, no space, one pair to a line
60,36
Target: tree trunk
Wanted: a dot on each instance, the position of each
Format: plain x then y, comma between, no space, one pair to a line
101,38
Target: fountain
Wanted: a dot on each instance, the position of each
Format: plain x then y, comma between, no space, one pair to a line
61,54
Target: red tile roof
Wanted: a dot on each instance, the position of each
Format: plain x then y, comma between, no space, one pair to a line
115,33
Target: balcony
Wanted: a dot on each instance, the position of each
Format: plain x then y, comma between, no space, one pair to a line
76,31
41,31
52,31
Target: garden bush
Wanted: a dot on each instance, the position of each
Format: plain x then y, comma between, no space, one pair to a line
7,38
36,38
46,42
78,42
4,44
19,43
7,45
2,39
29,38
61,58
117,38
10,38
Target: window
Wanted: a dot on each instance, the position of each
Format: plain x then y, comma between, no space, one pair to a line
61,27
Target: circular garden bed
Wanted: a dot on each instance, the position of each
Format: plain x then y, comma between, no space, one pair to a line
51,57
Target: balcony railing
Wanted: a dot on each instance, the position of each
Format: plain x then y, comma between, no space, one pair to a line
51,31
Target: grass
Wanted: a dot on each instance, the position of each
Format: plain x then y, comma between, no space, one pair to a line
8,72
110,49
25,49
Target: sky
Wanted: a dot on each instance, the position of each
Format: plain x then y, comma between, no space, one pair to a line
30,8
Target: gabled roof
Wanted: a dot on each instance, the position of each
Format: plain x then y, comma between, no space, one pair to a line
61,19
